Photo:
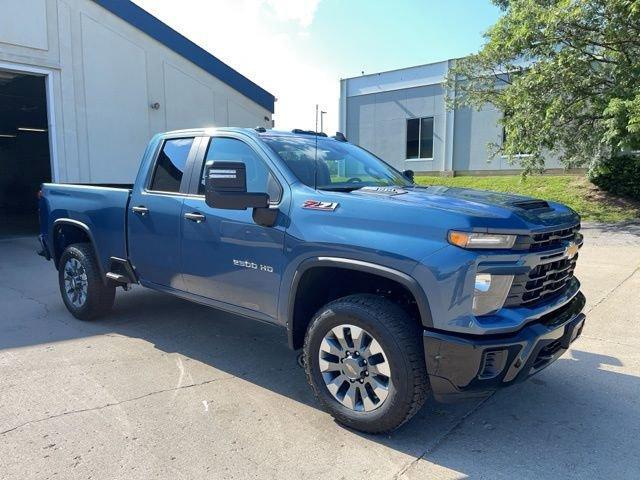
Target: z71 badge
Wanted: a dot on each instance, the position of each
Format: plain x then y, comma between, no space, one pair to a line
316,205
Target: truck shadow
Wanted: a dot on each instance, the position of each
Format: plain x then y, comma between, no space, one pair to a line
253,351
568,409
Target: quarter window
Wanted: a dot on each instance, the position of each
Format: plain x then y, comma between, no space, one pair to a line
170,165
420,137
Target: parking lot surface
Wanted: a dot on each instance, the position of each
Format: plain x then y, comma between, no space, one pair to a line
162,388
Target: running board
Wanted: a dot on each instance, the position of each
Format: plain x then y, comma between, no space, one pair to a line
121,271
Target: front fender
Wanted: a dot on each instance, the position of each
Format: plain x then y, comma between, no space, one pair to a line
292,277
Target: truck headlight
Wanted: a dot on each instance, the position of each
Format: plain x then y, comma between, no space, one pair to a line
481,240
490,292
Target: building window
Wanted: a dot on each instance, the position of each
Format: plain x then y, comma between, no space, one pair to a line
420,138
170,165
506,116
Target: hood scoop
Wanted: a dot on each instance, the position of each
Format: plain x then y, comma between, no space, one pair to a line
389,191
531,205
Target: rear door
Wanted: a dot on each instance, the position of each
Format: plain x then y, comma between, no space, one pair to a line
154,216
226,256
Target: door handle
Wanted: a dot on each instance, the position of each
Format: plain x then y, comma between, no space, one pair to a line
195,217
142,211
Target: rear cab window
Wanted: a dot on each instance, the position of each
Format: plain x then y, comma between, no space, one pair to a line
170,165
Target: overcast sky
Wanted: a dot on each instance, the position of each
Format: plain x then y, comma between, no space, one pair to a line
299,49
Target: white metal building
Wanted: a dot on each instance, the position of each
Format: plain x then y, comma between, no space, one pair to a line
401,116
84,84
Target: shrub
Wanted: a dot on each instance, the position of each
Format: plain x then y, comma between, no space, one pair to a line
619,174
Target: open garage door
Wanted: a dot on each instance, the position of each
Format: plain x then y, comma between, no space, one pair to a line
24,151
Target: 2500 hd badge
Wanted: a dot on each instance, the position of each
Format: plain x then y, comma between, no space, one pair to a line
253,265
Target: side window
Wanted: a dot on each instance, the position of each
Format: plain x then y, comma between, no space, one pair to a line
413,138
426,137
170,165
259,177
420,138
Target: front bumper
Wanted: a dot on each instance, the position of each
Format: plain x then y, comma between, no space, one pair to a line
465,366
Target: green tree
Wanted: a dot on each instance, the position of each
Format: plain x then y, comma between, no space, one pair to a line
567,74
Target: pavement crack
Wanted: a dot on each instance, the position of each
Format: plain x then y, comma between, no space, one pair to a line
47,312
441,440
115,404
613,290
44,306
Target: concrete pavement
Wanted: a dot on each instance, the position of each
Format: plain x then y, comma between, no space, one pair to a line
162,388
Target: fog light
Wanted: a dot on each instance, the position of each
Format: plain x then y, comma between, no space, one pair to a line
490,292
483,282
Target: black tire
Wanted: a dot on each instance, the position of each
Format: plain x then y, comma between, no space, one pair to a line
399,336
99,294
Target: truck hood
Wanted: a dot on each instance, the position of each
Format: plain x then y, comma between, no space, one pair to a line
478,204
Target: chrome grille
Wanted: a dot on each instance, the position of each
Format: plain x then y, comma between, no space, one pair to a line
542,241
543,282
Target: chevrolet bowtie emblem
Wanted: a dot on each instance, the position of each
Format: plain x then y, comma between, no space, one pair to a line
572,250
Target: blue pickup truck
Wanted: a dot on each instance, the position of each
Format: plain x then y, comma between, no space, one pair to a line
395,291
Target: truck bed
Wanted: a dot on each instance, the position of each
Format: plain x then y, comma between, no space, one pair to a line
100,210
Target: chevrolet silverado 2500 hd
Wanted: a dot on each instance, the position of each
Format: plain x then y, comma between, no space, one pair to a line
394,291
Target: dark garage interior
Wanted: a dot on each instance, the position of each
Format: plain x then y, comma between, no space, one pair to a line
24,151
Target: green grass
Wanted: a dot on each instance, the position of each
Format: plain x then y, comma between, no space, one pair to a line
575,191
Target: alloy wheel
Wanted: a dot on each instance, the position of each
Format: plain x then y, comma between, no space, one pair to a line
355,368
75,282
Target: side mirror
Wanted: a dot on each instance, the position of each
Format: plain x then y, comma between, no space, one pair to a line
226,187
409,174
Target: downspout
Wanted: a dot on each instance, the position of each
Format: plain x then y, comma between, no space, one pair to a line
447,169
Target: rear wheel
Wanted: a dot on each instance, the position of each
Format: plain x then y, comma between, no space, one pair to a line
83,291
364,360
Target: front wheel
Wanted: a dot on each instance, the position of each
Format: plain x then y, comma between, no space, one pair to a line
364,360
83,291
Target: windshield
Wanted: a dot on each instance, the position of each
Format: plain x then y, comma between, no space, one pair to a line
340,165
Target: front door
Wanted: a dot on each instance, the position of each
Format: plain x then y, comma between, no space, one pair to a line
226,256
154,216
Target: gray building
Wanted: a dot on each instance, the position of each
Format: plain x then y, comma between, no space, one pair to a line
400,115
